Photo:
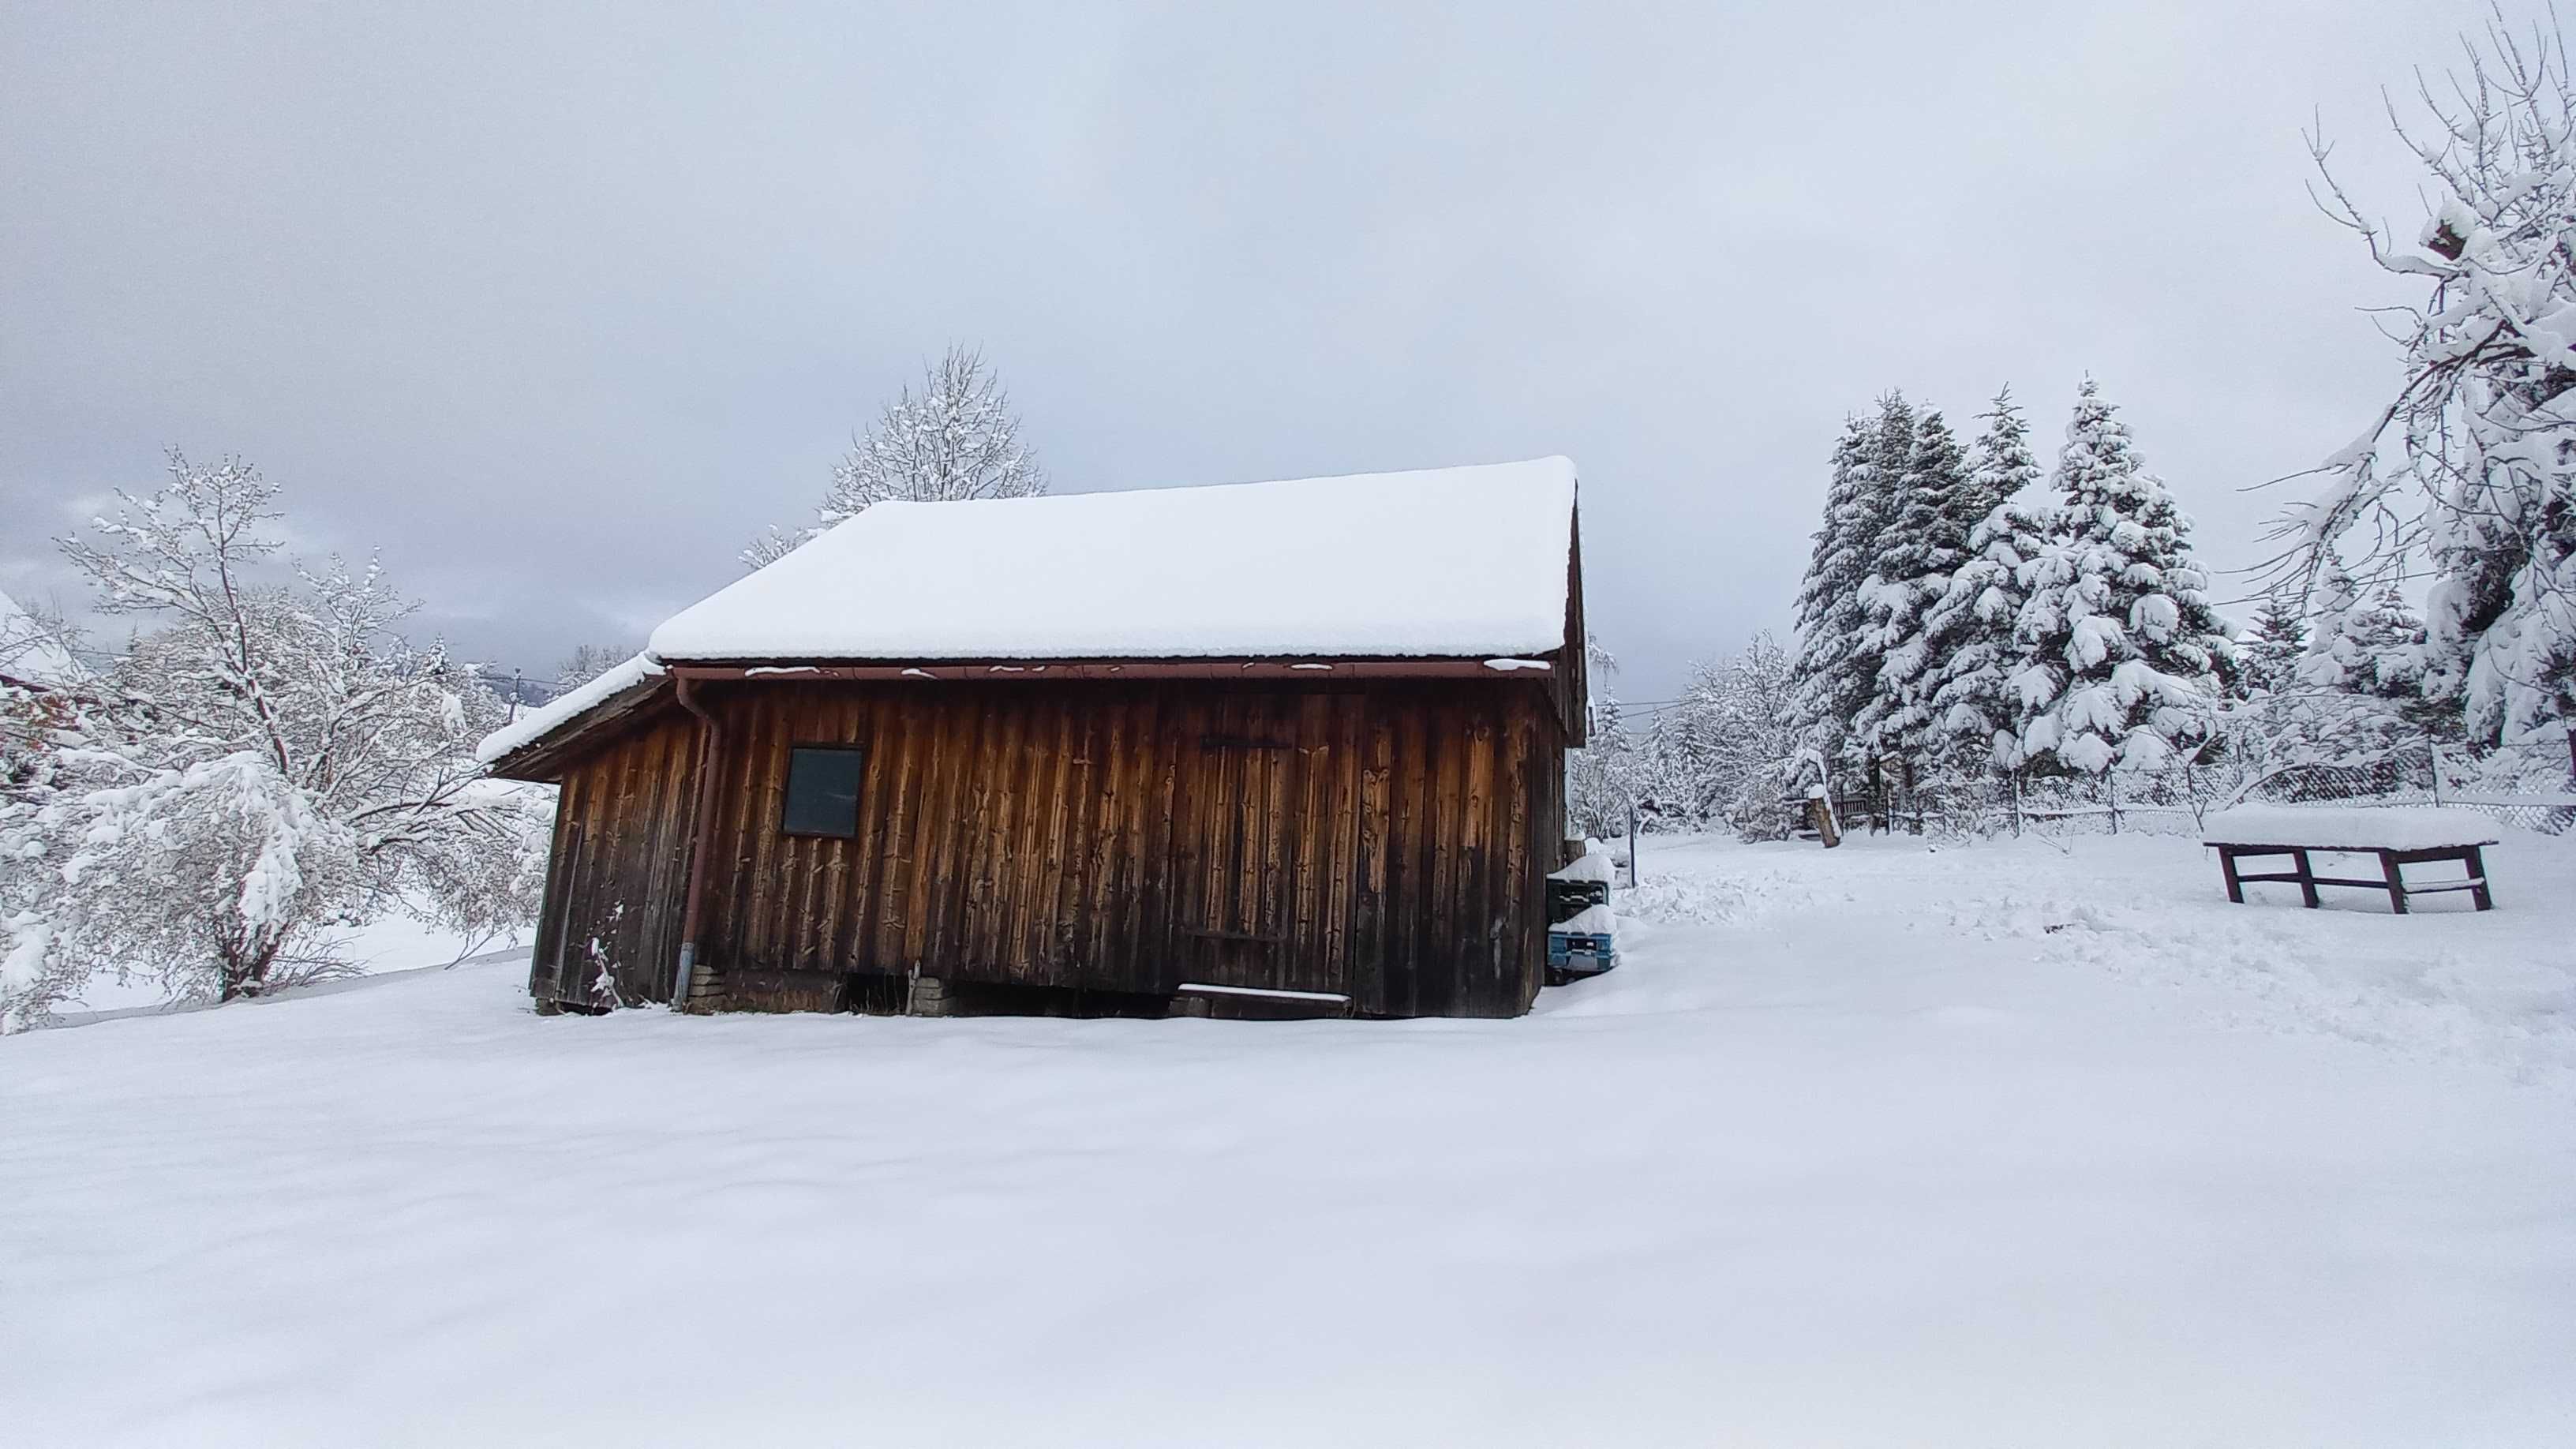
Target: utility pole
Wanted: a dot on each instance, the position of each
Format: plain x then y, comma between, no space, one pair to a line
1632,845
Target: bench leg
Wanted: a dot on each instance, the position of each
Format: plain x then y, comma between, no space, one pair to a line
2227,868
2478,872
2307,879
2396,881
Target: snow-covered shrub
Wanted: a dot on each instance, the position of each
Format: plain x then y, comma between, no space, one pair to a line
274,760
218,878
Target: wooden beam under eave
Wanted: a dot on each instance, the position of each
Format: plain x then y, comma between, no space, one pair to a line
1007,670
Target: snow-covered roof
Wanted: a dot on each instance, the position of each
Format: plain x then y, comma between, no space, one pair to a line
544,720
1448,561
29,653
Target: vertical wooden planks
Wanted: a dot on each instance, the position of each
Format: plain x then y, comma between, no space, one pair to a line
1388,842
1515,880
1093,905
1273,957
1368,955
1339,824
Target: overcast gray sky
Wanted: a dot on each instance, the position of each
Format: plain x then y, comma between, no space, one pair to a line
558,305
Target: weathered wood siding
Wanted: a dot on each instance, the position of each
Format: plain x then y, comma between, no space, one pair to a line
1387,842
614,880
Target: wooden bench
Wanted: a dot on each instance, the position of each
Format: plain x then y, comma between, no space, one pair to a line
2399,837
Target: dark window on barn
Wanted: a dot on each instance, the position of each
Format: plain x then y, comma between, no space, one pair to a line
823,791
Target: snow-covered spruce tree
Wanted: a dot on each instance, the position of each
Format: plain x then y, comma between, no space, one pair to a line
1976,716
1837,665
2126,658
2366,641
2269,654
2471,467
273,761
956,439
2369,642
1925,545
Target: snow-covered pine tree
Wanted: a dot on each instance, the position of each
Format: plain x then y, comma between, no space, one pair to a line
2334,658
1924,545
2367,641
2126,657
2472,466
1828,609
957,439
1837,664
2393,635
1975,715
2272,649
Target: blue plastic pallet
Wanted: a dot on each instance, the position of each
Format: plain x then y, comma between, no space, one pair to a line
1579,953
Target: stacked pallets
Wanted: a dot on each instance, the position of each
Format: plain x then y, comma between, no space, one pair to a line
1582,934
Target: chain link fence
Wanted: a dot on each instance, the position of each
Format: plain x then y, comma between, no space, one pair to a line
2530,784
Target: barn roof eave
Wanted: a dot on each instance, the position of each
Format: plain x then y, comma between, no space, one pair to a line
542,760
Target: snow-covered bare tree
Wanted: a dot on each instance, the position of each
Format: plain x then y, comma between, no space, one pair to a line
2125,656
1601,777
587,662
2471,467
275,759
957,438
1740,703
36,645
1976,717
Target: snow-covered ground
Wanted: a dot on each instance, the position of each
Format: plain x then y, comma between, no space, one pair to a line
390,943
2004,1144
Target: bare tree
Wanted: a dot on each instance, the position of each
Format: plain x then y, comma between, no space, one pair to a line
37,643
955,439
2471,468
587,662
274,761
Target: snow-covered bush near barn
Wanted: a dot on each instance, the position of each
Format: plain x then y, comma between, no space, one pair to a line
272,761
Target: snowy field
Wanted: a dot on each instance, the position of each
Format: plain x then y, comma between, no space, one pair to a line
2012,1144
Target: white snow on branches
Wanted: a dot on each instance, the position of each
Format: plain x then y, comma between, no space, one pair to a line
2470,470
270,762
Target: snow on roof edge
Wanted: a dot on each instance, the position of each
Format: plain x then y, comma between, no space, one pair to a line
566,707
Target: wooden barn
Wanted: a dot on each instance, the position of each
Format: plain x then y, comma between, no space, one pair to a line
1270,748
